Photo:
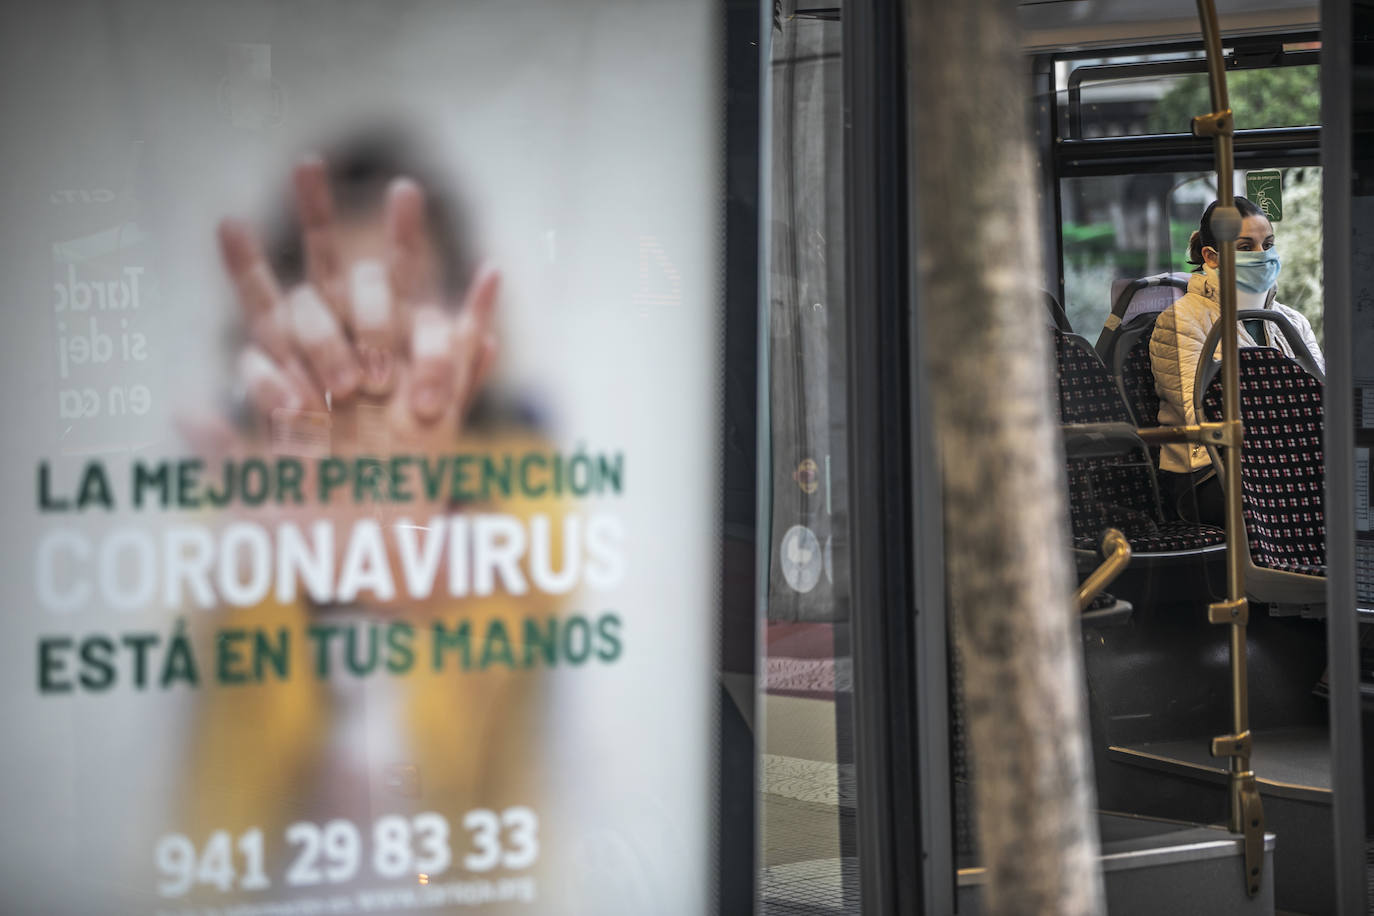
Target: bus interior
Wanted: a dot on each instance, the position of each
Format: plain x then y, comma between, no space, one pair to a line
1112,88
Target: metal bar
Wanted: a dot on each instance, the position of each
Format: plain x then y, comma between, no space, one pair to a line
1096,73
879,442
1170,165
1246,815
932,640
932,635
1206,433
1272,146
1116,553
1168,46
1223,433
1342,629
743,475
1046,121
1265,139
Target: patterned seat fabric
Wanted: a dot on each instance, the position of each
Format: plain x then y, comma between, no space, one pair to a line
1138,378
1116,491
1281,469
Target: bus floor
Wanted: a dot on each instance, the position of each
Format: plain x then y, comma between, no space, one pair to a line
1159,691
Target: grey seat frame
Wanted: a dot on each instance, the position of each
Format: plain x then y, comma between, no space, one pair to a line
1107,341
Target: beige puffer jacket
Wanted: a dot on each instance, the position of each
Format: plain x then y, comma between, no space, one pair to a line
1176,348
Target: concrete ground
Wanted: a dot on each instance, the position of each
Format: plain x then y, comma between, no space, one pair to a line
808,864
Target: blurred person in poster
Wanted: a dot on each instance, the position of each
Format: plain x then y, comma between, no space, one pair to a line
368,330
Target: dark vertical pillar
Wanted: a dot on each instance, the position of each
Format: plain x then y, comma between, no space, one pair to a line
736,886
879,479
1045,125
1341,191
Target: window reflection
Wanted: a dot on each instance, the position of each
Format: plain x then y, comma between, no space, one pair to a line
806,772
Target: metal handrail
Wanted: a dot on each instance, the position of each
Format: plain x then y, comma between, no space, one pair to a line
1247,816
1116,555
1266,146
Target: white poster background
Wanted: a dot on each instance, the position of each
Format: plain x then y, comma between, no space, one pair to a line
584,137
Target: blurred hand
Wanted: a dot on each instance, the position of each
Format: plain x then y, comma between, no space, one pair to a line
364,357
370,345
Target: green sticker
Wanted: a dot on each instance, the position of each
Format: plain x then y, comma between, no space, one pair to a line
1265,188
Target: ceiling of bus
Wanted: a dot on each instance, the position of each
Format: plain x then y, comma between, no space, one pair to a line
1070,24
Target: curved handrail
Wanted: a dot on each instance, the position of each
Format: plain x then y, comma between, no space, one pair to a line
1208,367
1111,328
1116,555
1061,318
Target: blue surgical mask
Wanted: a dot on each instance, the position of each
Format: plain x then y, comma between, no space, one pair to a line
1257,271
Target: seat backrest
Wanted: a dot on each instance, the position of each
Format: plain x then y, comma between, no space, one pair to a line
1282,474
1132,298
1103,492
1159,292
1207,368
1087,392
1135,374
1058,317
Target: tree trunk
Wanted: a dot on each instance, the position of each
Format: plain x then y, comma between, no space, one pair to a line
986,345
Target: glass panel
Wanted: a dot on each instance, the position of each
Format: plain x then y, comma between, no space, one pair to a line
359,554
1114,104
808,855
1123,227
1159,684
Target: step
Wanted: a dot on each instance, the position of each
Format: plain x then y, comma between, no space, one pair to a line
1292,762
1293,772
1153,866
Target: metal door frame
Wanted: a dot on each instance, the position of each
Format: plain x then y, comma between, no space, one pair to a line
1347,771
901,748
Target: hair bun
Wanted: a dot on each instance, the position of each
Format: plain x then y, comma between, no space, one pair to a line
1195,247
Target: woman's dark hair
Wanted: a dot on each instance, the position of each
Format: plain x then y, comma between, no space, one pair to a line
1203,238
361,168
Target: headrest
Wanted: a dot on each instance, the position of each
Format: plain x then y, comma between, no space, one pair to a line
1160,292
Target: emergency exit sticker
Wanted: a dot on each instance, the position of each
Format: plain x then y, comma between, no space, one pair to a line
1265,188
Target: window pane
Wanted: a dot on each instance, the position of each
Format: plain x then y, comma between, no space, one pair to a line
1117,104
1122,227
807,774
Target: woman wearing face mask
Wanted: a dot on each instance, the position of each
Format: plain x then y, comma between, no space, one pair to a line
1187,481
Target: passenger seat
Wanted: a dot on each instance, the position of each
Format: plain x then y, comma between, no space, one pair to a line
1282,471
1114,490
1133,298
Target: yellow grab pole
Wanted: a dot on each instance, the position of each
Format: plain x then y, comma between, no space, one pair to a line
1247,816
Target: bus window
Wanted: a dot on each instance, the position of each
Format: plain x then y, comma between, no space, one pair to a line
1125,96
1122,227
805,703
1125,186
